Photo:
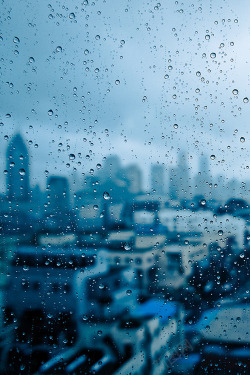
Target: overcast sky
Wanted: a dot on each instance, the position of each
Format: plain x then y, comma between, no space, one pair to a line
140,79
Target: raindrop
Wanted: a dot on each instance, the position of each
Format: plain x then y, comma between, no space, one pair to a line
95,207
58,49
72,16
175,126
106,195
207,37
242,139
72,156
16,40
117,82
203,202
86,52
220,232
245,100
31,59
212,157
127,247
235,92
22,172
129,292
213,55
50,112
101,286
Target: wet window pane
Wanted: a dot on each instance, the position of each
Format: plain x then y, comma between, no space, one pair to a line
124,196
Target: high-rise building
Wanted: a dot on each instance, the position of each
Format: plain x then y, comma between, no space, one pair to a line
134,176
58,191
18,184
158,178
179,184
203,178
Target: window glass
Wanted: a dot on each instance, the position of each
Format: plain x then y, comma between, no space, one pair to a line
124,189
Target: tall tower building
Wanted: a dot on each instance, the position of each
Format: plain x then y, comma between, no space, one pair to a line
203,178
133,174
157,178
182,176
58,188
17,157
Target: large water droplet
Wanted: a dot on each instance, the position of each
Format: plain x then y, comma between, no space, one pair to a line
16,39
22,172
106,195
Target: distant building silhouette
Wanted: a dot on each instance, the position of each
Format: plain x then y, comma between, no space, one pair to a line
133,174
58,190
157,178
17,156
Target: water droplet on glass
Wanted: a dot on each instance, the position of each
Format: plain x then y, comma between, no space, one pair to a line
213,55
212,157
58,49
22,172
235,92
72,156
129,292
127,247
101,286
242,139
72,16
245,100
203,202
220,232
50,112
117,82
16,40
106,195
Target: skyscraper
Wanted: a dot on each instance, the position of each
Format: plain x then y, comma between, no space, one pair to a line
157,178
17,157
58,188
